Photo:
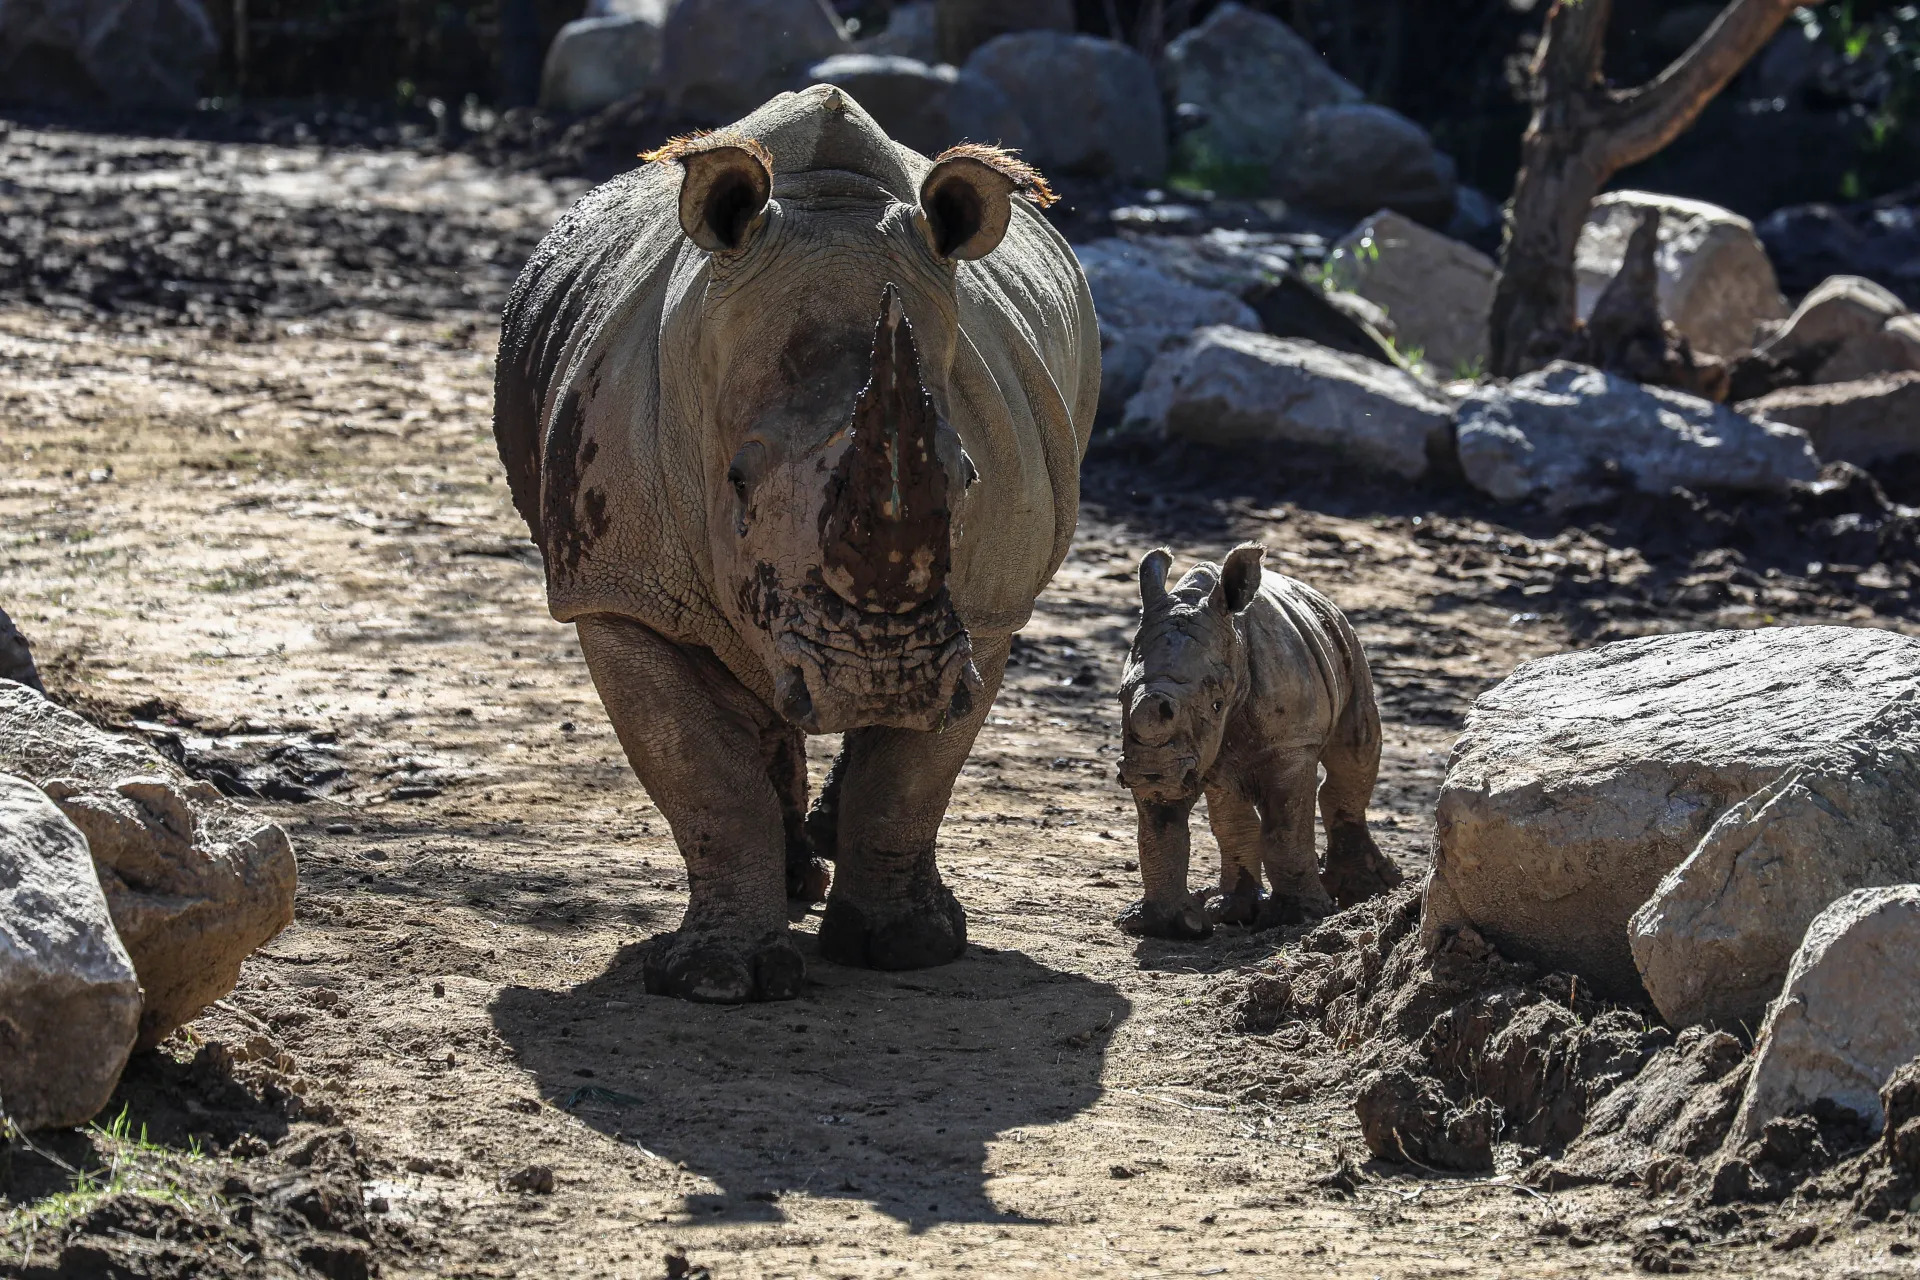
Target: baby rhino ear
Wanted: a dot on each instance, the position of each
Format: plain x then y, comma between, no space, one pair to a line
1240,577
1153,575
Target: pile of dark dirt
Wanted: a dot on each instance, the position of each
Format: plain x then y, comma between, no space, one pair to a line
1461,1060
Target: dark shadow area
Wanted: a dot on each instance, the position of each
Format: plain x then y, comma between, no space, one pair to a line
884,1087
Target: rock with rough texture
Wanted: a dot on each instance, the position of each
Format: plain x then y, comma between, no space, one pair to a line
1351,157
195,883
69,1000
1876,239
1848,1016
961,26
928,108
1227,386
1091,106
1681,1103
1716,282
594,62
1714,941
1893,348
1863,422
1251,82
1582,779
1143,310
722,58
124,53
1437,291
1841,310
1571,435
1406,1118
16,658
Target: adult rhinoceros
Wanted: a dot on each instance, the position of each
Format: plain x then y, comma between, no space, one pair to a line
796,417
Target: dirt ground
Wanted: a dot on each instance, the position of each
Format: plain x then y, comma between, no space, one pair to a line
274,536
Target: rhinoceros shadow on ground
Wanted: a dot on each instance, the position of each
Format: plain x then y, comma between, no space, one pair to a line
882,1087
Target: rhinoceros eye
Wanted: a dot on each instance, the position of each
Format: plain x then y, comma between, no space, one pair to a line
1218,703
738,479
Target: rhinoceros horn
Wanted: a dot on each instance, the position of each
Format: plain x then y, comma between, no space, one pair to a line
886,528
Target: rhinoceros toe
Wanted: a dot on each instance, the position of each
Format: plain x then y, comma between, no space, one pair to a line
922,936
1180,921
1356,869
712,970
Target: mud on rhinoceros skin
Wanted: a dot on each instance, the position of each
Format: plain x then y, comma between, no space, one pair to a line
1241,684
771,512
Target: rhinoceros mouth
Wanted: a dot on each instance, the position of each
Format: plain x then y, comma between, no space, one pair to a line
842,667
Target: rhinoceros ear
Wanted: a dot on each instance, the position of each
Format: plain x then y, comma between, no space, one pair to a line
967,199
726,180
1240,577
1153,575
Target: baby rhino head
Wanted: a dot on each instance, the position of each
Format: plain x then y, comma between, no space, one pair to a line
1186,672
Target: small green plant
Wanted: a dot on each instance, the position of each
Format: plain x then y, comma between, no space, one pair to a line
128,1164
1200,168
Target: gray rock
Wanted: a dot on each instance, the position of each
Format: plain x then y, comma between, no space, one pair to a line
1227,386
1144,308
964,25
194,881
1716,281
1582,779
1714,941
1438,292
929,108
1842,309
69,1001
1893,348
1569,435
722,58
16,658
1477,218
911,32
128,53
1091,106
594,62
1848,1016
1250,81
1352,157
1863,422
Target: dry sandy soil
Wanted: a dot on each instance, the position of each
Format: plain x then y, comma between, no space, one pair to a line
275,536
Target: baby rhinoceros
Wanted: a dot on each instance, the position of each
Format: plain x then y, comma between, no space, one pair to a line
1241,684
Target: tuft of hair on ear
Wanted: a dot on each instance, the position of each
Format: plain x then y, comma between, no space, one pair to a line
677,149
1028,182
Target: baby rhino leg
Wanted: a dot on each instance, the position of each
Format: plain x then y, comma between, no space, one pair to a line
1286,827
1236,826
1356,869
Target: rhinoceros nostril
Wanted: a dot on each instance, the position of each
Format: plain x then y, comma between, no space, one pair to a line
1166,710
1191,779
796,703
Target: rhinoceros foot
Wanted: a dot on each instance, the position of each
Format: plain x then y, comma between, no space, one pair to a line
1356,869
1184,921
716,969
916,935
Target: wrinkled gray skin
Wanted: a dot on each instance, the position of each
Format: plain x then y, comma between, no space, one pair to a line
1240,685
799,450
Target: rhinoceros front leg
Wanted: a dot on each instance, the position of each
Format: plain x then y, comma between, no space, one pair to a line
700,744
888,908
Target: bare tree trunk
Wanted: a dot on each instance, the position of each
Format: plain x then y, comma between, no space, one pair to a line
1582,133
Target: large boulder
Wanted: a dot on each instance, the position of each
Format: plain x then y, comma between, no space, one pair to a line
1848,1016
719,59
127,53
1716,282
911,32
1571,435
69,1000
1144,309
1248,81
961,26
1714,941
1227,386
1866,421
1878,240
1351,157
594,62
928,108
1091,106
195,883
1893,348
1843,310
1437,291
1582,779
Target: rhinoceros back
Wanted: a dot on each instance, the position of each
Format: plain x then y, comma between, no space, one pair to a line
610,485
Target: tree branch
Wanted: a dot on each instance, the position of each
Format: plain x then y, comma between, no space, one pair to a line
1644,120
1571,48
